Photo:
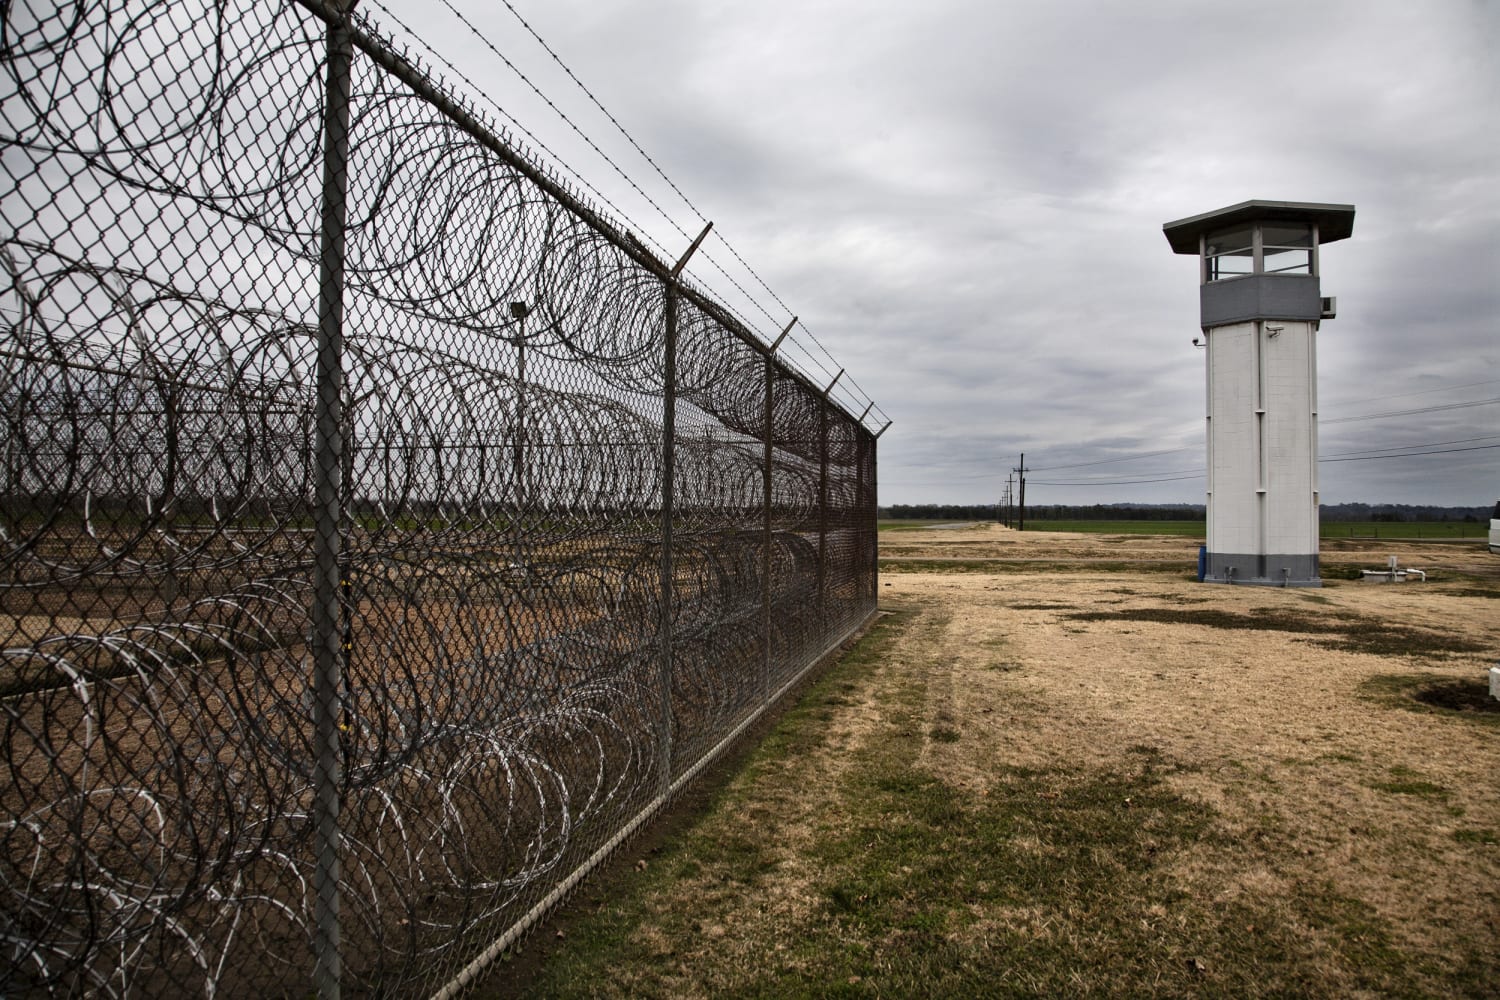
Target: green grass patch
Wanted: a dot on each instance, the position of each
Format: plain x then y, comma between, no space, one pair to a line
1402,529
1405,781
1421,789
1477,836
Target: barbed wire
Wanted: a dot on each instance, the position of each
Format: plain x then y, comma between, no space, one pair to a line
857,402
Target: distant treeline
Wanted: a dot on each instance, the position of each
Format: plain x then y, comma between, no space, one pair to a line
1396,513
1362,512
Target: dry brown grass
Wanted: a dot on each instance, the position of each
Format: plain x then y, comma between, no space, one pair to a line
1270,726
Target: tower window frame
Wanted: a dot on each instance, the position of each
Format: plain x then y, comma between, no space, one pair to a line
1290,243
1229,253
1260,248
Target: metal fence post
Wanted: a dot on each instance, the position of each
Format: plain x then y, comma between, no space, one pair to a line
822,510
875,501
668,500
874,518
861,450
328,514
668,497
823,404
767,484
765,545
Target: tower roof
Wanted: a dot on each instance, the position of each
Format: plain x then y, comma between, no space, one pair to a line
1335,222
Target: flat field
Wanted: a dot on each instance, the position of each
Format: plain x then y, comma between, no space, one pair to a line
1328,529
1057,765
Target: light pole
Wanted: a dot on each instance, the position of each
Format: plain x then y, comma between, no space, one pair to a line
519,311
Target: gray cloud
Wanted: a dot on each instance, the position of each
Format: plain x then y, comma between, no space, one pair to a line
963,201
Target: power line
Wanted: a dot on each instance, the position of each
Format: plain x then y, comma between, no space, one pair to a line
1108,461
1110,477
1123,482
1407,413
1053,468
1395,451
1380,453
1418,392
1407,447
605,111
1334,420
1413,454
561,114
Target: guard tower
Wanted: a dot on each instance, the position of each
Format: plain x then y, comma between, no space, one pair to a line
1260,306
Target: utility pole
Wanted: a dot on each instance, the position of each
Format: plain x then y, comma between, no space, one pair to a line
1020,471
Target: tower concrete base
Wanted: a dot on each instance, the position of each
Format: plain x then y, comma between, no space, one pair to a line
1262,569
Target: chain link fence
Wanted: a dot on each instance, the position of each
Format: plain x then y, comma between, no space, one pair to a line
386,533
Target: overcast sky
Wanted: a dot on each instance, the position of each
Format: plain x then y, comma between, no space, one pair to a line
963,203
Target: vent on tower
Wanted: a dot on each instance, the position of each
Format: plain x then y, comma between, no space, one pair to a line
1330,307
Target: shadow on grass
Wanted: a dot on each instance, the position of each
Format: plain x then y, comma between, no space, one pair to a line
1350,633
1458,698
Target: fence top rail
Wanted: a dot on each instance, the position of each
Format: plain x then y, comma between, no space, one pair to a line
365,38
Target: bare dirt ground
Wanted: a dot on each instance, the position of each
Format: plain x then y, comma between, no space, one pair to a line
1063,766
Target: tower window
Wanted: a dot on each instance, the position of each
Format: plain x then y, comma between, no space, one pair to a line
1230,253
1286,248
1283,248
